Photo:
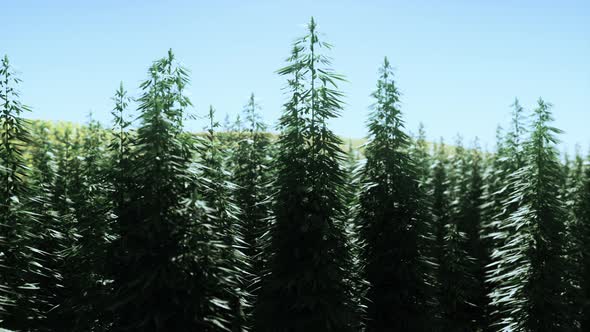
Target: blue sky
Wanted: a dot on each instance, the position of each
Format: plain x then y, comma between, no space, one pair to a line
459,64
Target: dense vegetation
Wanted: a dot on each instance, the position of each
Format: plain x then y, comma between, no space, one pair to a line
143,226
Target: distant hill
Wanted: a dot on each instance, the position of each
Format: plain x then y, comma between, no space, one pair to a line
58,127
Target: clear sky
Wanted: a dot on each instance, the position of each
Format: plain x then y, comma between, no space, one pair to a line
459,64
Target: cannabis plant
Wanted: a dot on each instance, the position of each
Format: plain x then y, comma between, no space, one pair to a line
306,289
392,226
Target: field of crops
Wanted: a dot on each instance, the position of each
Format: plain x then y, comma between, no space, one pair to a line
141,225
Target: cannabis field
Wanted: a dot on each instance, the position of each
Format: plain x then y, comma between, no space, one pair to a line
143,225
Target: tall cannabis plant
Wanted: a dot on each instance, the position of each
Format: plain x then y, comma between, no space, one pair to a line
391,223
529,264
164,255
306,289
21,302
578,240
219,196
252,178
463,301
507,160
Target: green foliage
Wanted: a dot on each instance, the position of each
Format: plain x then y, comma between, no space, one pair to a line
455,278
579,237
224,216
497,190
164,277
351,201
421,154
528,267
306,289
252,177
462,268
120,151
391,226
91,233
147,227
52,242
21,303
440,200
